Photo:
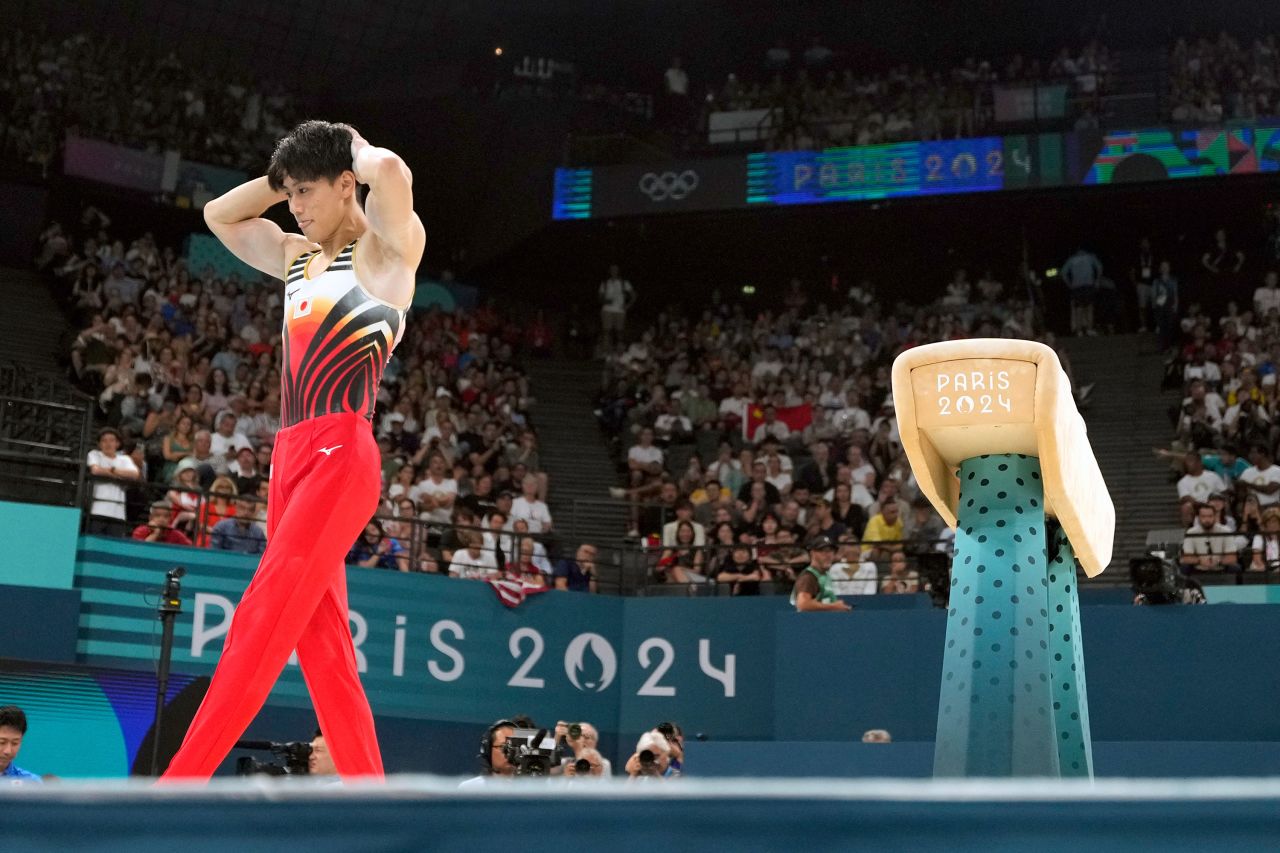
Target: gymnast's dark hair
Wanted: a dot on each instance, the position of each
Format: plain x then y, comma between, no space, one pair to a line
11,717
313,150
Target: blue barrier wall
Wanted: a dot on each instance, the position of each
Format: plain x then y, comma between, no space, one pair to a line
441,658
39,544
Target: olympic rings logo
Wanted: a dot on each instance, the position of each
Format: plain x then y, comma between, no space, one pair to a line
669,185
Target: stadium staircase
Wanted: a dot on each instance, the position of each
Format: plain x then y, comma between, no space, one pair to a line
33,329
576,455
1127,415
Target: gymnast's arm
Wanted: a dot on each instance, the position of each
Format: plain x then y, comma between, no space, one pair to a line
397,230
235,218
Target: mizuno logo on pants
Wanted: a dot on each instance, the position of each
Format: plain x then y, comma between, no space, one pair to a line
328,451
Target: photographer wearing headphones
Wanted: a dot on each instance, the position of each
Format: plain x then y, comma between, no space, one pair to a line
492,756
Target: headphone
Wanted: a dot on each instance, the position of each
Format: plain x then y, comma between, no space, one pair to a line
486,741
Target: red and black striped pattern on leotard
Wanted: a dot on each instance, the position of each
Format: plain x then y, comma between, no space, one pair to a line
337,340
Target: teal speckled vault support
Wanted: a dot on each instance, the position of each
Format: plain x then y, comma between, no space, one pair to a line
1012,701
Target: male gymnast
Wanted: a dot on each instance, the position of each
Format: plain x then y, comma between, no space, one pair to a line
349,280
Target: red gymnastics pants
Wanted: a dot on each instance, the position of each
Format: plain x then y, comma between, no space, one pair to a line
325,482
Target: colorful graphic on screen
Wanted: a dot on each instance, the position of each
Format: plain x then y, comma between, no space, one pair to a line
1153,155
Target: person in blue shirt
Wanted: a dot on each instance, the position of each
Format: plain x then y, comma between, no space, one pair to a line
241,532
13,727
577,575
375,550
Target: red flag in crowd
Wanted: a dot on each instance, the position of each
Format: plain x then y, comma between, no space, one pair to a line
512,592
795,417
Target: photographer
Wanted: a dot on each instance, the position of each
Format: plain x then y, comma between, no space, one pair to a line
589,762
493,756
320,763
652,758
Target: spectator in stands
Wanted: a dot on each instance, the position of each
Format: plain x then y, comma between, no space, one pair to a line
683,515
851,574
740,570
159,527
13,728
824,522
220,504
848,512
177,445
1266,543
1198,483
813,589
244,471
226,443
1081,273
375,550
110,470
523,568
884,530
203,462
241,532
1208,546
529,508
616,298
436,492
578,574
682,561
473,561
1262,478
1267,297
900,578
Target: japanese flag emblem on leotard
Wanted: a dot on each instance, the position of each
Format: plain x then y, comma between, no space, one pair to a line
302,307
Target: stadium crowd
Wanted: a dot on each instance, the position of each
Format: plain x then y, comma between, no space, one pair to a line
744,433
1216,79
820,101
184,366
1223,354
91,85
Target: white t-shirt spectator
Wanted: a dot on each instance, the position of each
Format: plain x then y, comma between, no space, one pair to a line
1218,540
108,495
535,512
864,472
777,429
846,580
1209,372
736,406
781,481
220,444
1202,486
766,367
1265,299
474,566
677,82
1263,477
645,455
615,294
436,491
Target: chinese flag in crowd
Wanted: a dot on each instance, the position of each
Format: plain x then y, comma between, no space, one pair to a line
795,417
512,592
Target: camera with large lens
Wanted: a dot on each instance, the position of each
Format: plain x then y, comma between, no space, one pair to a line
532,752
1158,581
294,759
582,767
649,763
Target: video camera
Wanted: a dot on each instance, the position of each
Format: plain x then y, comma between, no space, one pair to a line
1158,581
295,759
532,752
